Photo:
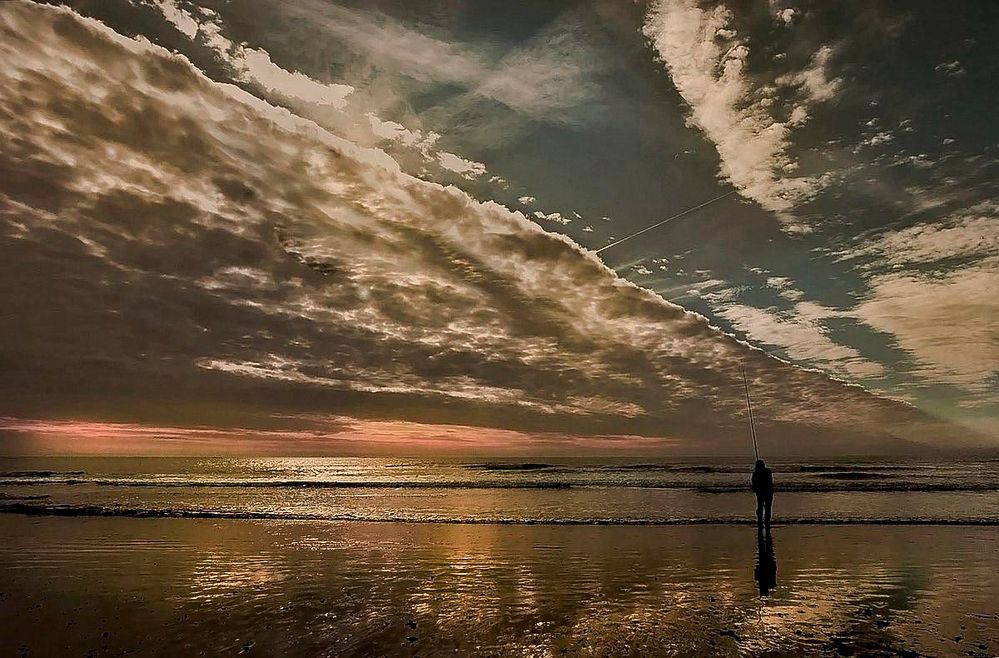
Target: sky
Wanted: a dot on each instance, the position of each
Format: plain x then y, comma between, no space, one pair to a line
305,226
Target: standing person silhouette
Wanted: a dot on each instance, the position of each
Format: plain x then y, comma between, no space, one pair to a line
763,487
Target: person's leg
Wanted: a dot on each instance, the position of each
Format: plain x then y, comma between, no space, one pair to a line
759,510
767,506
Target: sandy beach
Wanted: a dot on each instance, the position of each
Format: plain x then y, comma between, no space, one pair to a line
113,586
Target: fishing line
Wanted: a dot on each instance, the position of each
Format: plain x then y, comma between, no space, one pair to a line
665,221
752,421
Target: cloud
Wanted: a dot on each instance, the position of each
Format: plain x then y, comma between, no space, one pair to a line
785,287
971,233
276,84
391,46
526,200
309,434
707,62
932,288
952,69
547,76
544,78
255,65
182,19
394,131
241,254
928,287
554,217
875,139
466,168
948,323
799,331
814,79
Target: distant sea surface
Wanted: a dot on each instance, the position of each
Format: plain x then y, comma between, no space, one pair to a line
560,491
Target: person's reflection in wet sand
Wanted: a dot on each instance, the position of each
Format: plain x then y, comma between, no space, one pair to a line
766,563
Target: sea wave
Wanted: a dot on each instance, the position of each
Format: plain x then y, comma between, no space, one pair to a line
850,475
501,466
847,484
291,484
830,483
196,513
822,468
37,474
862,486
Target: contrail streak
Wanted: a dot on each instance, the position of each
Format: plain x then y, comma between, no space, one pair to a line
665,221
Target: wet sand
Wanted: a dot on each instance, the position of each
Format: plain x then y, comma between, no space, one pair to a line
109,586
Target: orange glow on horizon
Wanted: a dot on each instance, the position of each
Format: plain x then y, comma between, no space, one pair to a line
336,435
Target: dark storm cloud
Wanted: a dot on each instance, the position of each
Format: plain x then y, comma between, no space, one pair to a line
167,234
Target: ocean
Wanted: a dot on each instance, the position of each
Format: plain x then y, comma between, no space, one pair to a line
420,557
554,491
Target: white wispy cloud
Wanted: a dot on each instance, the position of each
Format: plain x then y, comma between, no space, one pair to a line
814,79
785,286
800,332
706,59
544,77
548,75
180,18
948,323
932,288
555,217
965,234
461,166
395,131
255,66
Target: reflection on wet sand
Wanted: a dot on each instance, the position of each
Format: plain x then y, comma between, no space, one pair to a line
766,563
157,586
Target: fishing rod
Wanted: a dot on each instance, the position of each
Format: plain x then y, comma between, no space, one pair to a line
665,221
752,422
